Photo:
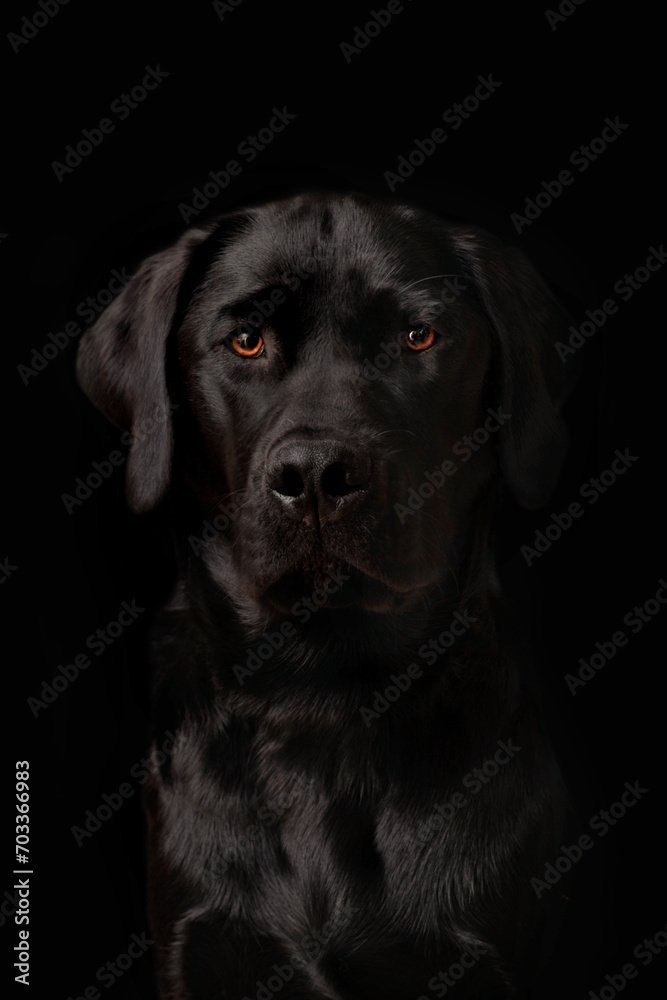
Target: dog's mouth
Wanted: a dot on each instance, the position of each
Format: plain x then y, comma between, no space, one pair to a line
335,587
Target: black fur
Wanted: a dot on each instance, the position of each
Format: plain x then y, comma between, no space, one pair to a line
295,847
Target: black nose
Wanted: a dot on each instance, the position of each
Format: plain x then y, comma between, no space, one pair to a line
318,481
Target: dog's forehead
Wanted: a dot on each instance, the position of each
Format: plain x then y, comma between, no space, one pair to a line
333,238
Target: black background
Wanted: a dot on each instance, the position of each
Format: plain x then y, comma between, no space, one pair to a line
354,118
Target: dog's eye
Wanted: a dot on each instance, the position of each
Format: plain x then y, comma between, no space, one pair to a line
420,337
246,341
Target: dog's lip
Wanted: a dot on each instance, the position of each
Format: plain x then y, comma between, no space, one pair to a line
353,587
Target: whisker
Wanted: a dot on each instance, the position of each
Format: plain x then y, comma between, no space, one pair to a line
430,278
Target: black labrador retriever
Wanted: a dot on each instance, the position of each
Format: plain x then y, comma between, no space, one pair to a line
333,391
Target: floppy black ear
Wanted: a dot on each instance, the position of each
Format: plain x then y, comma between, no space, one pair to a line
529,380
121,367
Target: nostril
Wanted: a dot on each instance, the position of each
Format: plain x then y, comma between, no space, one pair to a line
315,479
339,479
287,481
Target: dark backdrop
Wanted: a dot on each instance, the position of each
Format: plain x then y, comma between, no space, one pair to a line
552,81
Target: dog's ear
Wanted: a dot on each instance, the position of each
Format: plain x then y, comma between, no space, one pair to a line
121,366
528,380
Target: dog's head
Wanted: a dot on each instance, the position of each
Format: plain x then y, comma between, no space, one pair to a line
351,376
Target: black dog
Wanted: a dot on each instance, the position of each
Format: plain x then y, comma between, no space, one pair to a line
361,790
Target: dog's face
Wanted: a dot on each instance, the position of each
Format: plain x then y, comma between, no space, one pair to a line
350,376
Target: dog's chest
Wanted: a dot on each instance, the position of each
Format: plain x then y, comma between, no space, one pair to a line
327,850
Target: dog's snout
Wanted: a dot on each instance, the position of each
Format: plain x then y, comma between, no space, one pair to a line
318,480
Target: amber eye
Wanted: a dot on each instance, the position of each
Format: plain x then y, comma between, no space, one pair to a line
420,338
246,341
